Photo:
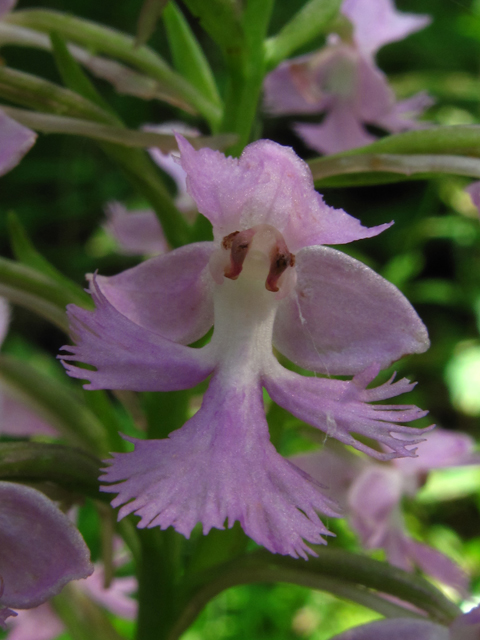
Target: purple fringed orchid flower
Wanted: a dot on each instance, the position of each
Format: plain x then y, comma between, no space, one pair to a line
32,570
371,495
15,139
465,627
343,82
265,280
140,232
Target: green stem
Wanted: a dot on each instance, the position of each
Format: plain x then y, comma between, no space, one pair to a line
246,74
156,585
73,469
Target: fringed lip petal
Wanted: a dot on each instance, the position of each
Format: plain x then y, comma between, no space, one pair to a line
341,408
171,295
342,316
268,184
17,140
31,567
218,468
128,356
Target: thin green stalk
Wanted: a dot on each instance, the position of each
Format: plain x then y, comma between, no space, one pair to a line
246,74
101,39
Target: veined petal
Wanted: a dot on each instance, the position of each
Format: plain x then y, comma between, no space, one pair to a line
171,295
128,356
377,23
268,184
341,408
16,141
220,466
136,232
342,316
396,629
31,567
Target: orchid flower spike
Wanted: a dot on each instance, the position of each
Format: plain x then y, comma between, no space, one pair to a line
32,570
343,82
265,280
371,496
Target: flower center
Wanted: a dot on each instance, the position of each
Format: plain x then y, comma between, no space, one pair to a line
259,253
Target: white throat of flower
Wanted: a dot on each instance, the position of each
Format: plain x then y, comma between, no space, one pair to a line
253,270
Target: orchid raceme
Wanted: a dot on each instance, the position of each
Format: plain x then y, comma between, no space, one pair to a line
32,570
264,279
371,495
343,82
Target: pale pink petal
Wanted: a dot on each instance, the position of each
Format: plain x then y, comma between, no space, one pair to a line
40,623
17,419
441,449
341,409
438,566
6,6
171,295
31,567
4,319
473,191
282,95
373,496
220,466
340,130
396,629
377,23
268,184
136,232
117,598
15,141
128,356
342,316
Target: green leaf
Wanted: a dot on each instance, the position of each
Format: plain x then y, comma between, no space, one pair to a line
56,403
26,253
99,39
314,18
188,57
73,76
49,123
72,469
222,20
337,171
37,292
147,20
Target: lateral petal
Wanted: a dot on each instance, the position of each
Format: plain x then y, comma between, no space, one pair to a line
32,568
221,466
16,141
342,316
341,408
396,629
128,356
171,294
